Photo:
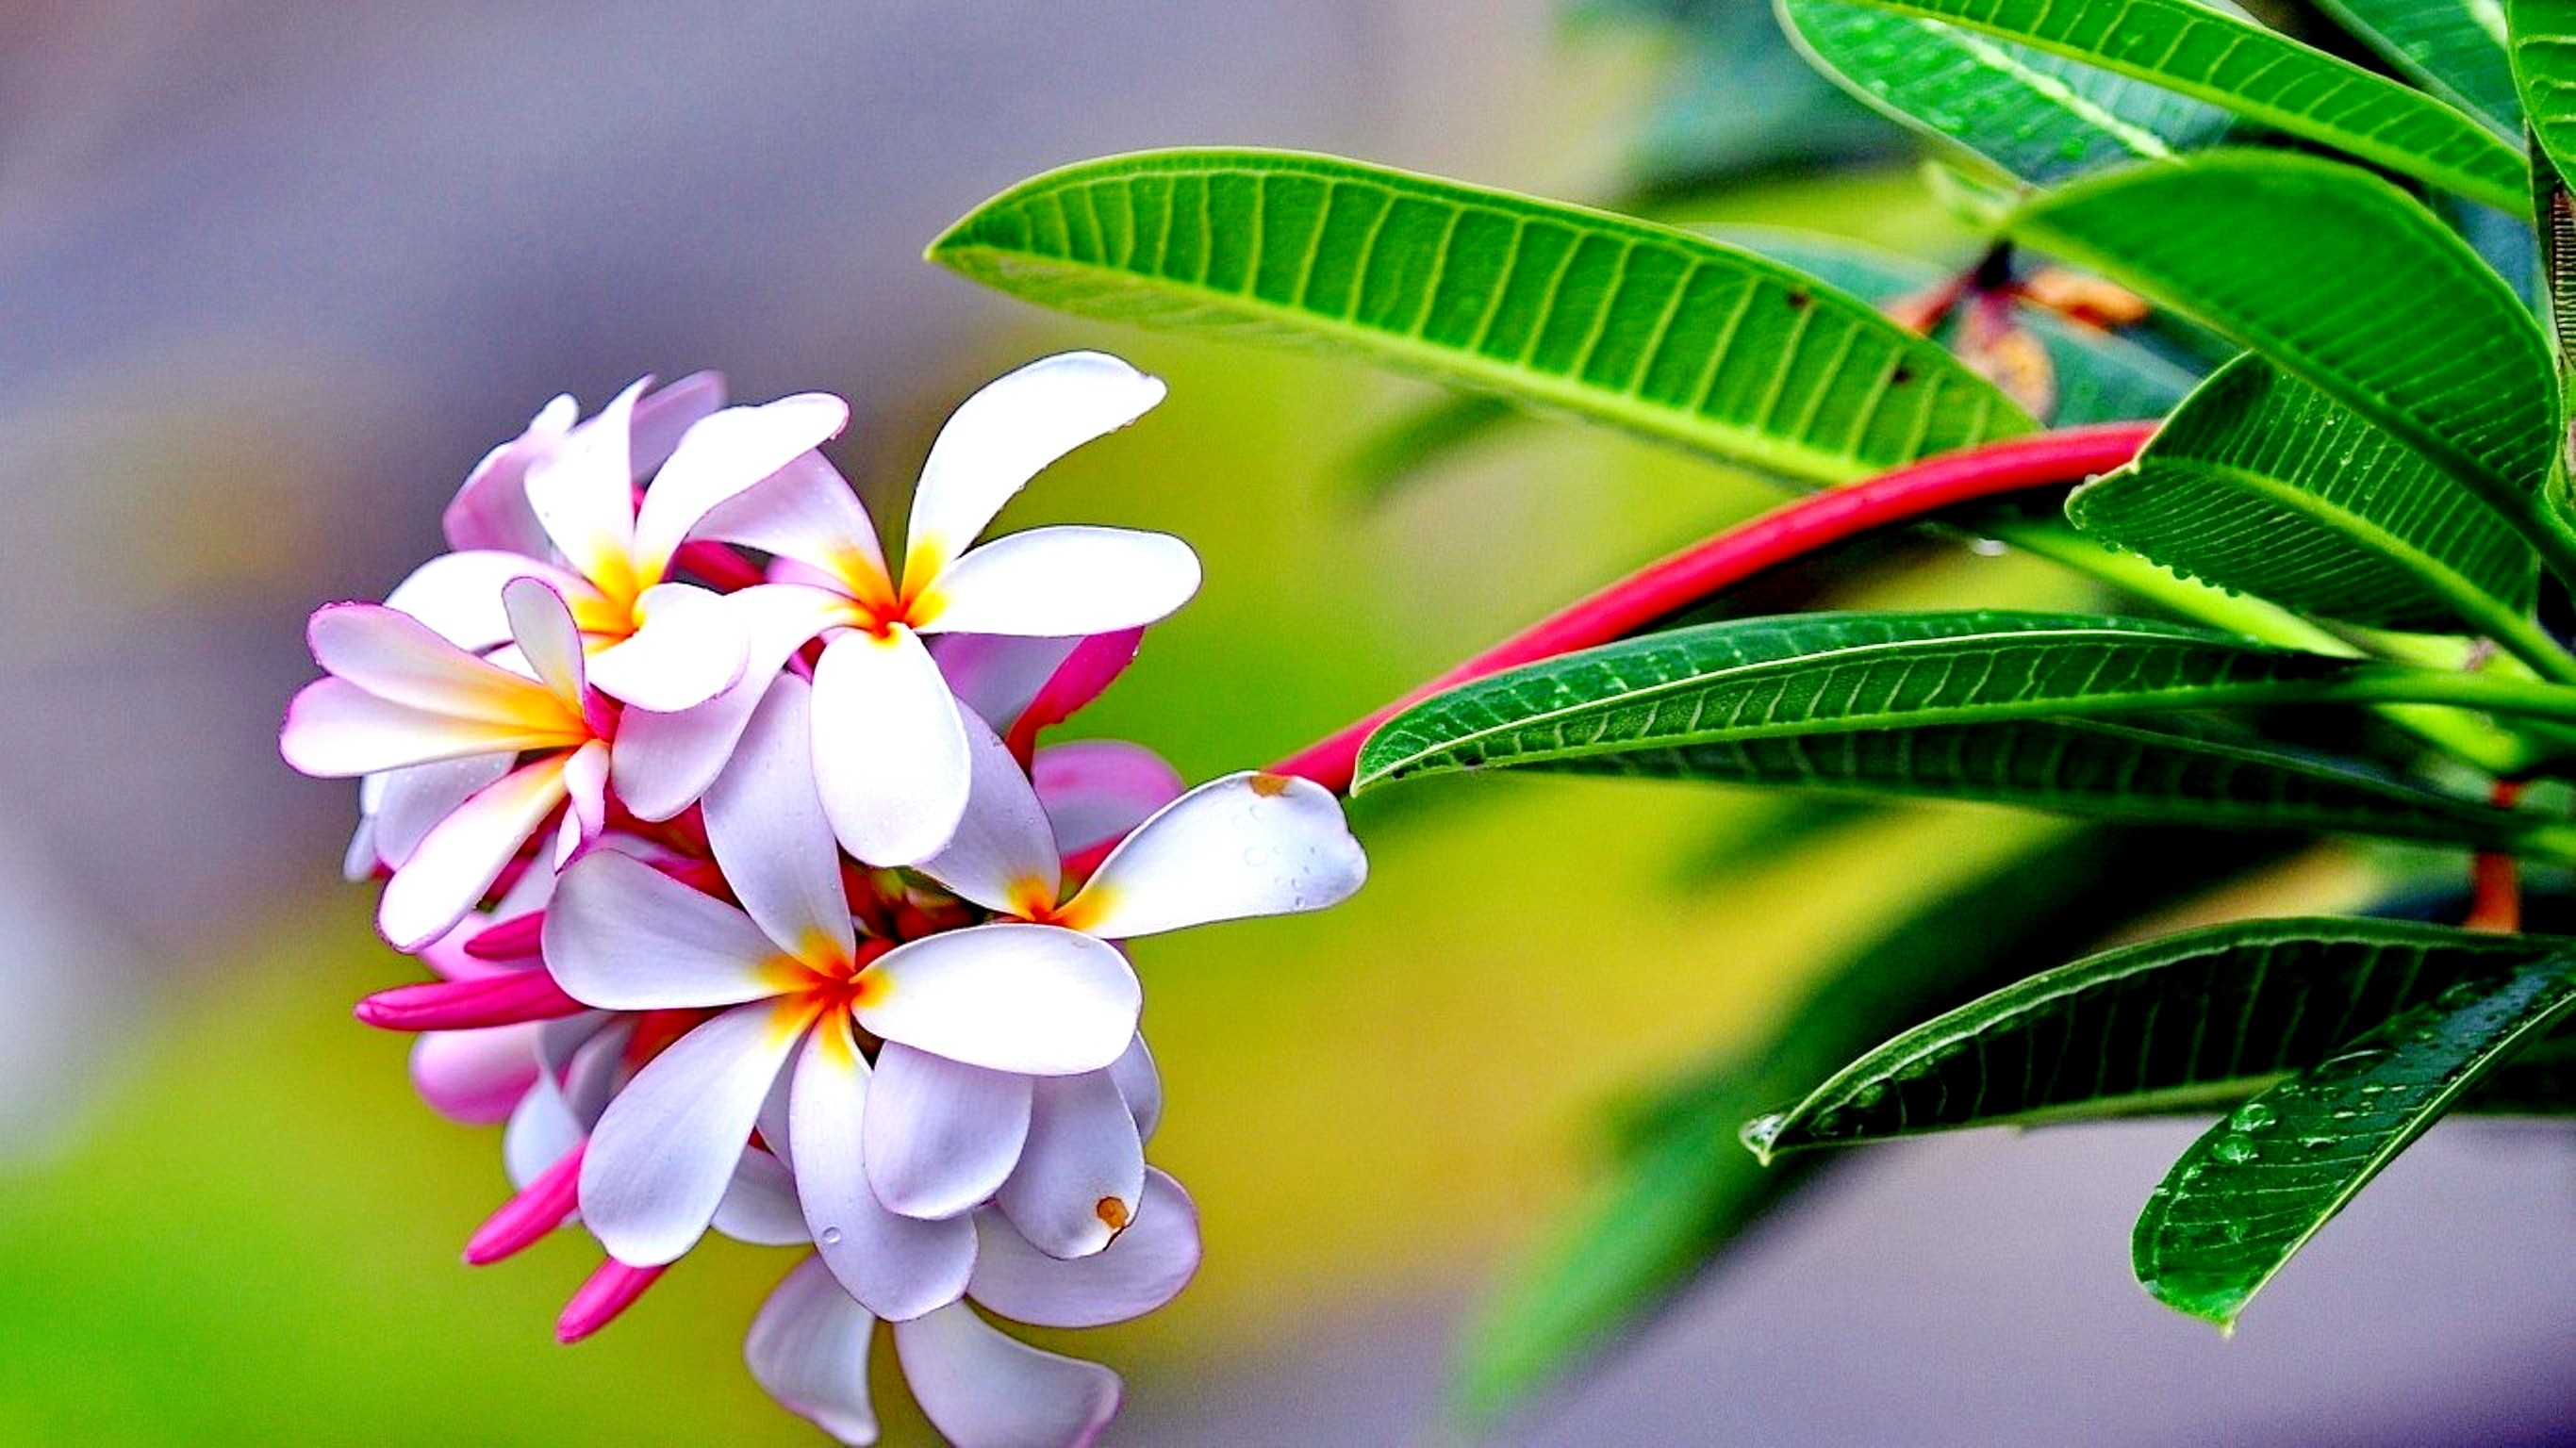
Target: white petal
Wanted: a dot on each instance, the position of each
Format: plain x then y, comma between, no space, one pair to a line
1002,856
767,827
667,413
1002,436
1244,845
586,800
541,625
1141,1086
897,1267
491,509
718,458
666,1147
360,860
1144,1268
806,514
997,675
457,861
1027,998
984,1389
941,1136
1097,791
809,1349
665,761
686,649
458,595
395,657
890,749
542,1128
584,494
1070,580
475,1077
1082,1174
411,801
336,730
623,936
760,1205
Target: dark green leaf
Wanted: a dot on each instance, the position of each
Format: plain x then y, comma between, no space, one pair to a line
2453,48
1667,334
2254,1190
2541,34
2207,1016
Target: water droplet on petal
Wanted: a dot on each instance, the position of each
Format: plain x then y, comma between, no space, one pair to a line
831,1236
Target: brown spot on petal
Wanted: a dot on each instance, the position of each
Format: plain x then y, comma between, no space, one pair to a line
1112,1213
1270,786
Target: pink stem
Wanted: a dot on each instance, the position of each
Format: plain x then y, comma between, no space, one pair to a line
525,1219
600,1298
460,1005
1782,535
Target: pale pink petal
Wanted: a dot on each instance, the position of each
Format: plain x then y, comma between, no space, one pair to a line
542,1129
766,824
666,414
336,730
982,1388
1097,791
411,801
623,936
475,1077
809,1349
395,657
584,493
760,1206
998,675
457,861
1082,1173
1094,664
491,509
1002,436
586,794
360,861
807,515
1026,998
1070,580
665,761
1003,854
458,595
896,1266
941,1136
723,454
890,747
686,649
1141,1086
1244,845
541,625
666,1147
1146,1267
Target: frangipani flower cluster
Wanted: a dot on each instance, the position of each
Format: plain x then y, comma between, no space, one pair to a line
754,902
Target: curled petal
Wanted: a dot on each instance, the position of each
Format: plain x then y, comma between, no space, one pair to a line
1097,791
541,624
898,1267
584,494
890,756
666,1148
457,861
686,649
1002,436
1141,1086
1081,1177
984,1389
1069,580
663,762
766,824
1027,998
623,936
1003,855
1244,845
1144,1268
941,1137
723,454
809,1349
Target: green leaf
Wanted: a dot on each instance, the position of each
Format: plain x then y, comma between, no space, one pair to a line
2261,484
2541,35
1664,333
2206,1016
2254,1190
2101,771
2346,282
2453,48
2261,75
2037,116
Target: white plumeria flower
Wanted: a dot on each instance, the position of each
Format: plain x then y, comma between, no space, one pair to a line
894,778
655,644
980,1387
964,1017
496,751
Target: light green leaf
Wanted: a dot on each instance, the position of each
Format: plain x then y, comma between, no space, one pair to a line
2346,282
2037,116
1664,333
2261,484
2453,48
2203,1017
2261,75
2254,1190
